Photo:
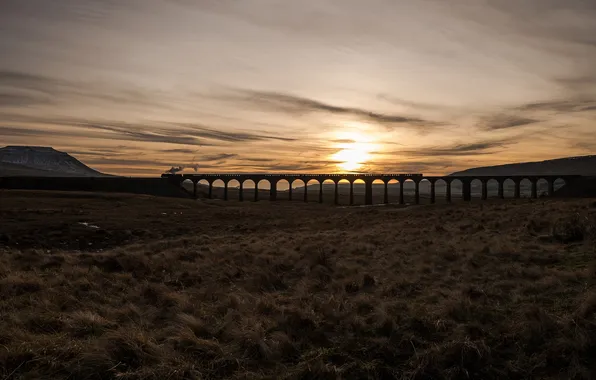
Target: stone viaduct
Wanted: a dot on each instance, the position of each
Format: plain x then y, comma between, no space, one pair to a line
368,180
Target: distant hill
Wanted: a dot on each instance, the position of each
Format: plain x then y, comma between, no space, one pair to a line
583,165
43,162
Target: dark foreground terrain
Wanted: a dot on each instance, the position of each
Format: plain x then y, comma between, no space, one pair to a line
96,286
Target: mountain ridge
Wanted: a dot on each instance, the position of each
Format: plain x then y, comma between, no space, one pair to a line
16,160
576,165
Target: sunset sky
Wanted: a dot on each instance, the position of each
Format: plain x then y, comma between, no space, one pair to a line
134,87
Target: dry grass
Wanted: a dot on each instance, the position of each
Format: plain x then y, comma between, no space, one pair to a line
293,291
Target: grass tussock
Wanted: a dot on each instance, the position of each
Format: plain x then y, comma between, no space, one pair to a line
291,291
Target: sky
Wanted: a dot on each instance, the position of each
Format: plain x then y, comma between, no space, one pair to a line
136,87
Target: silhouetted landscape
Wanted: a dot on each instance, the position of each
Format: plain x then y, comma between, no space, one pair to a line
47,162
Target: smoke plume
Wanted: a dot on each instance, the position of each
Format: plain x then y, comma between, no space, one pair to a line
175,169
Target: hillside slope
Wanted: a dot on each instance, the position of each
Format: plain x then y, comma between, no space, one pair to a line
584,165
8,169
42,161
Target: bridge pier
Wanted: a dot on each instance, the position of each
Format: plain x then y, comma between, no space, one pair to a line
401,192
194,189
336,193
320,191
305,195
501,189
417,193
305,191
517,194
368,195
225,191
273,191
534,188
551,187
484,190
351,193
290,192
432,192
448,191
241,192
210,196
386,195
256,195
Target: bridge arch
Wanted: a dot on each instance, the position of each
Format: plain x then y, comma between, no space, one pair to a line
218,188
262,184
457,190
476,187
441,190
328,190
312,189
393,186
492,188
408,186
248,190
424,188
298,189
188,185
358,187
559,183
378,191
343,186
542,187
203,186
509,186
233,185
526,187
284,190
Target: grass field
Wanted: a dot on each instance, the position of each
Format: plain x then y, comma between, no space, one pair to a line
96,286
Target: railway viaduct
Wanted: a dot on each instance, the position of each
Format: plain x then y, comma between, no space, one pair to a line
368,180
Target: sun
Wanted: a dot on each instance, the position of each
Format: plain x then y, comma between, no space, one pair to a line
352,158
355,150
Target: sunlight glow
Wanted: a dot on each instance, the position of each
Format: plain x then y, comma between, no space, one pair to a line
355,150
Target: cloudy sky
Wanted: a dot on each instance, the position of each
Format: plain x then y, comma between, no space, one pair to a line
134,87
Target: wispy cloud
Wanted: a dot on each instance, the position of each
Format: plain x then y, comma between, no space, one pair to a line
16,100
214,134
166,132
504,121
218,157
48,90
297,105
257,159
135,133
23,80
181,150
561,106
463,149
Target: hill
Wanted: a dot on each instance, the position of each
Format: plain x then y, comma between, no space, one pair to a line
8,169
583,165
42,161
